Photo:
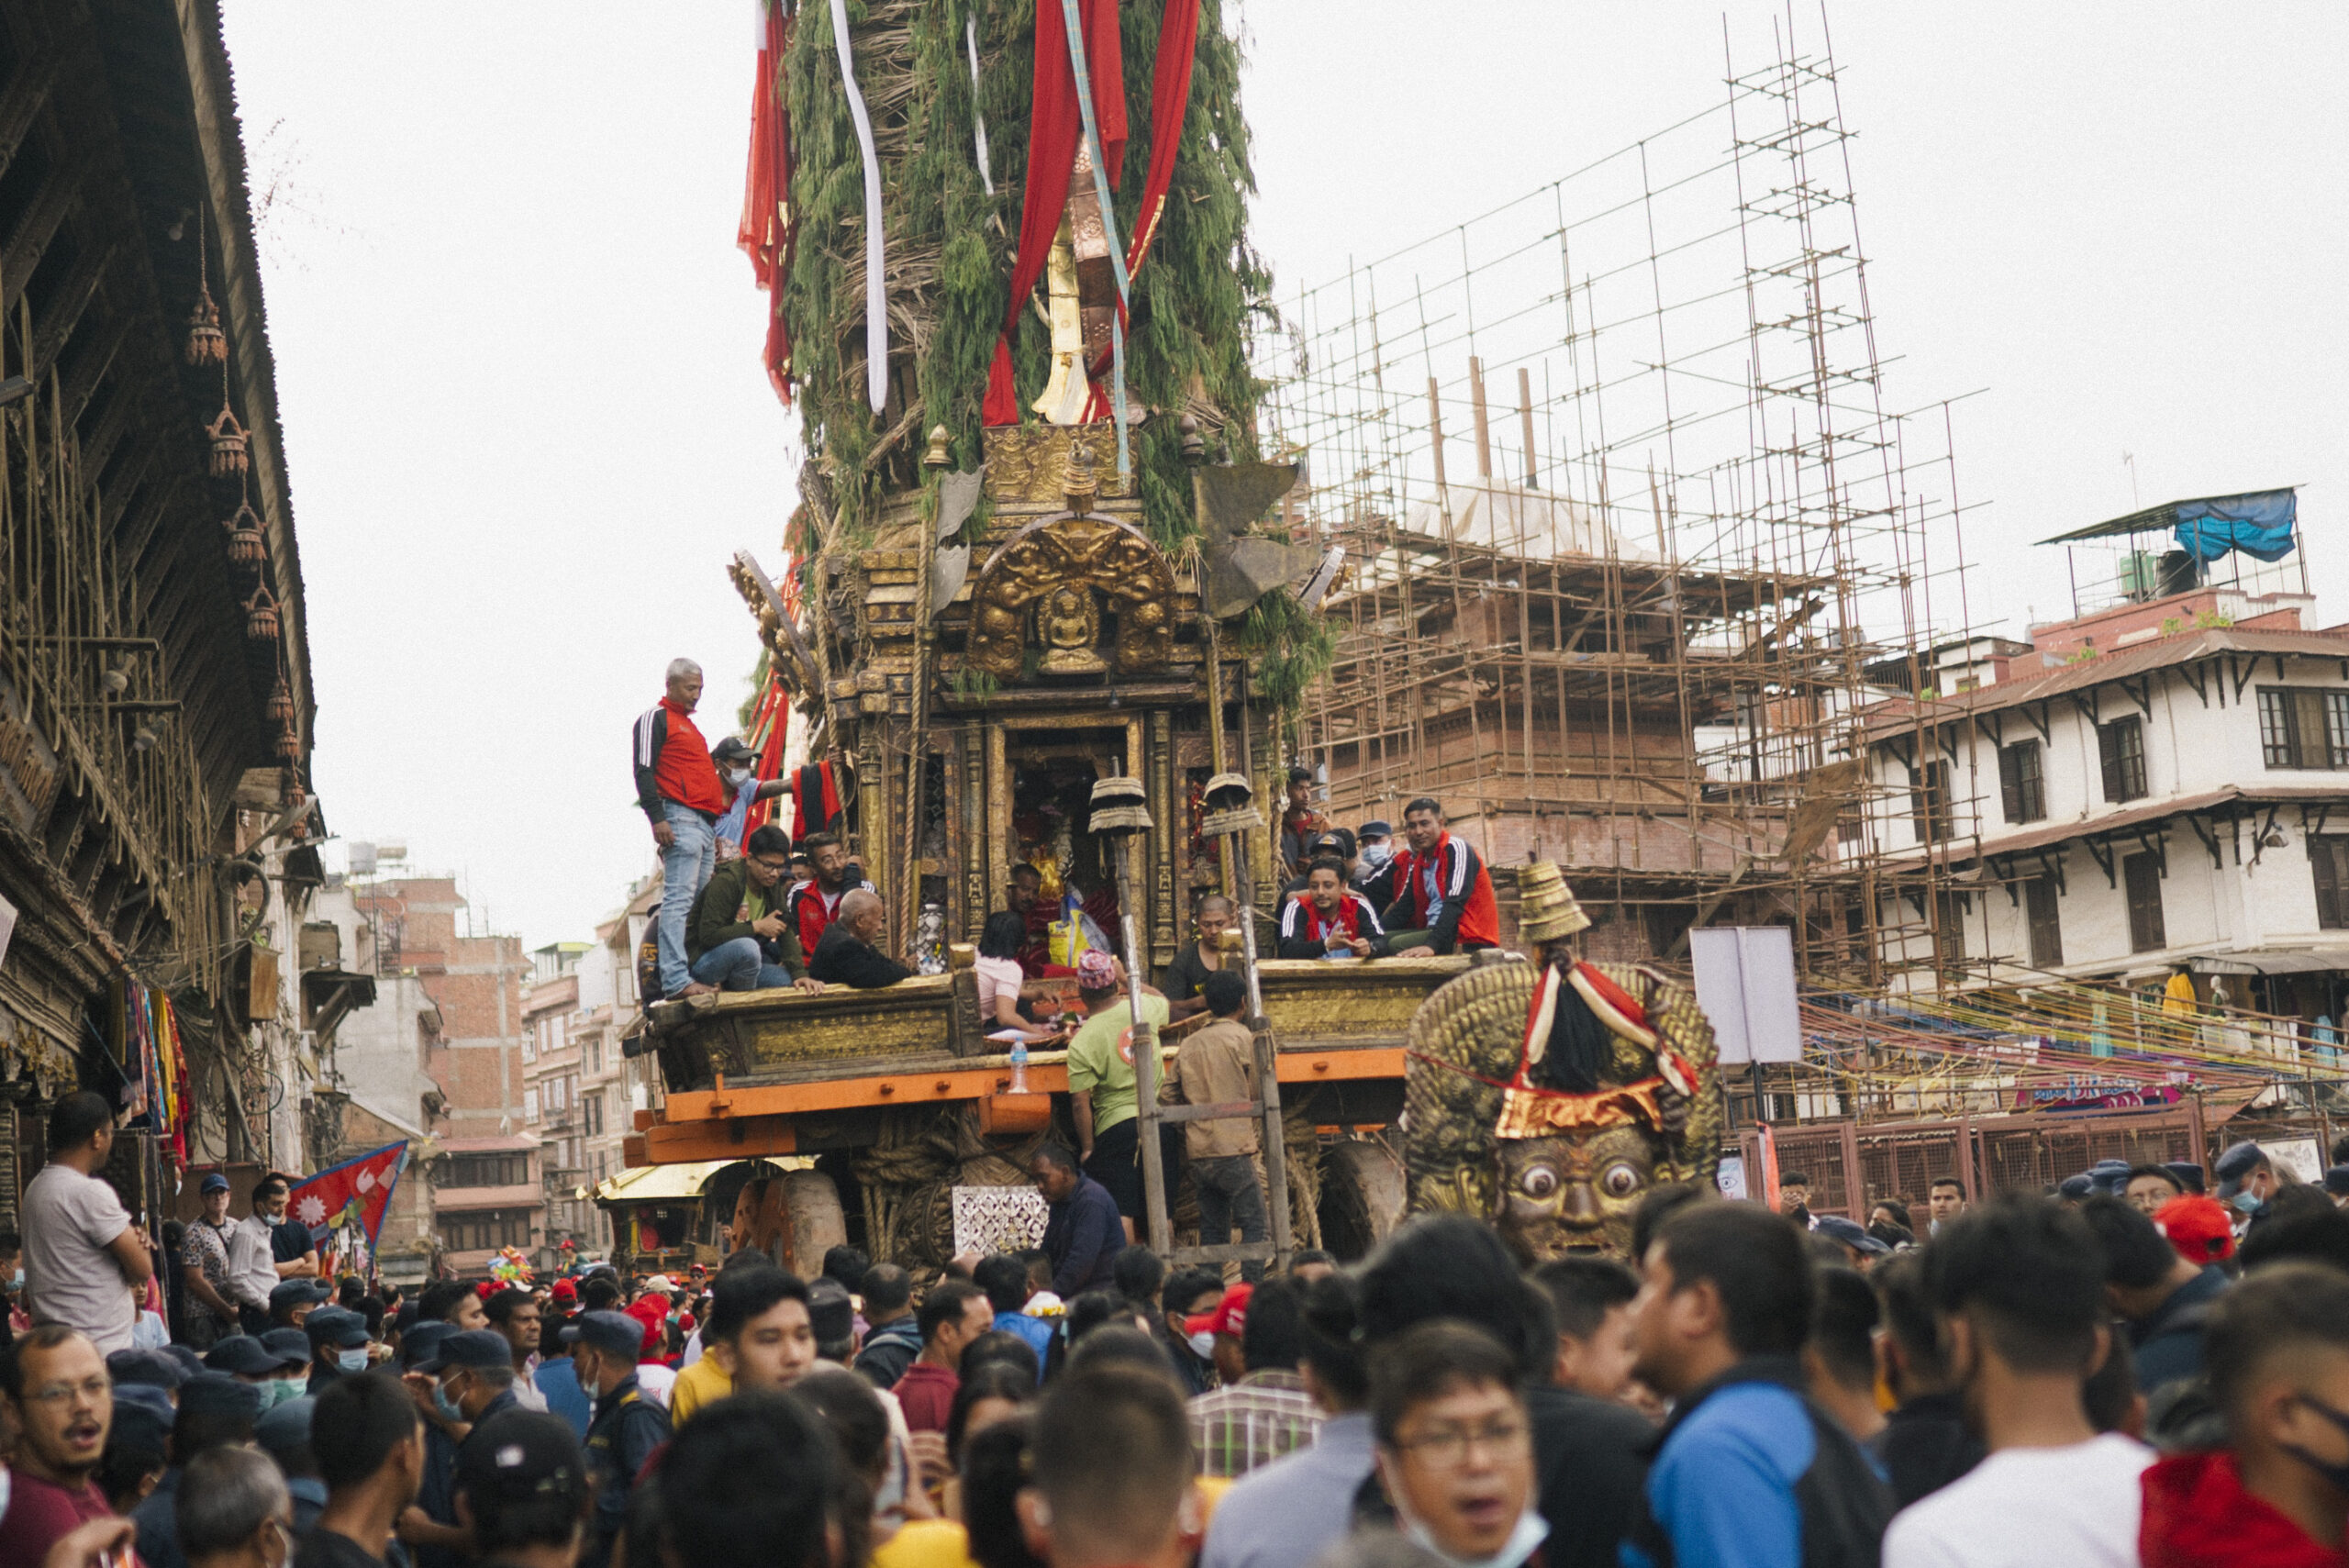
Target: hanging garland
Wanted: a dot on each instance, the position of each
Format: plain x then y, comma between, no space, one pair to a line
950,243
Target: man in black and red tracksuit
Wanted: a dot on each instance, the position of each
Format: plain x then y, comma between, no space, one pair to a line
677,788
1437,893
1329,917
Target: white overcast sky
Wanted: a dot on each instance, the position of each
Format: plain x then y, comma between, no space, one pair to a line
517,349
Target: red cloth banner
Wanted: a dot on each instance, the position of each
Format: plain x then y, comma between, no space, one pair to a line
769,726
768,228
357,1190
1055,125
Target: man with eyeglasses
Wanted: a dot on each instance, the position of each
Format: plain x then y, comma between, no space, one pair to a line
740,937
1455,1446
57,1390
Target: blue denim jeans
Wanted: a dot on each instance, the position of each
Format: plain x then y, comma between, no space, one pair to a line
739,965
684,866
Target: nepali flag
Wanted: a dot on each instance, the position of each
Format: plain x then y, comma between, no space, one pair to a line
357,1192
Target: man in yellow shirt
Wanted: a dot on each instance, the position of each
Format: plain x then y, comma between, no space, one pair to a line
759,1335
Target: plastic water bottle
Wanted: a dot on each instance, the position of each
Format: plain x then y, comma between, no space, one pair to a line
1018,1066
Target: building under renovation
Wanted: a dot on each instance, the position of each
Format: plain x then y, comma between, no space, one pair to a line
1631,532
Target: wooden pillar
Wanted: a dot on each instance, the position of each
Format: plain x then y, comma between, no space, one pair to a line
1165,925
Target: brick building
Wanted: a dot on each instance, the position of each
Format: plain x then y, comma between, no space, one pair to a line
440,1053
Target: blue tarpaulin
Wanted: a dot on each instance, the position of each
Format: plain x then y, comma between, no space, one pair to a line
2260,524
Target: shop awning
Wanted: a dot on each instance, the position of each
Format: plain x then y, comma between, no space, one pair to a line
2272,961
659,1184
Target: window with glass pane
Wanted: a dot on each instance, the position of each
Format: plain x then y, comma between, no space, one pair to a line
2121,748
485,1229
2023,784
488,1170
2303,727
2140,879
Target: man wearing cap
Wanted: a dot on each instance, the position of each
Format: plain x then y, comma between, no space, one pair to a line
283,1433
1330,843
1373,847
251,1360
338,1345
1101,1082
627,1427
291,1349
292,1301
522,1490
1863,1249
737,770
215,1411
204,1265
429,1524
2248,1180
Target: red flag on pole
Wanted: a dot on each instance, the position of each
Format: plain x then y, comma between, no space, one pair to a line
359,1189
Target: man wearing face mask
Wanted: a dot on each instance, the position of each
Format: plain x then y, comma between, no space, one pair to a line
473,1370
426,1525
1373,847
254,1361
627,1428
2248,1181
1455,1447
338,1345
291,1349
2277,1349
737,770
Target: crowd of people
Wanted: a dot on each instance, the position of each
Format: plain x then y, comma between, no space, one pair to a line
2124,1368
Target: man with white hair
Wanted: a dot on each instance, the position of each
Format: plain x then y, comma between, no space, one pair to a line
677,788
846,956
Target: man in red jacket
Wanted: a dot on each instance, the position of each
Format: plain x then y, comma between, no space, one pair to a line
1437,893
677,790
2277,1351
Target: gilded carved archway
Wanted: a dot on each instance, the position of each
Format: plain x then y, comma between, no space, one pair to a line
1058,580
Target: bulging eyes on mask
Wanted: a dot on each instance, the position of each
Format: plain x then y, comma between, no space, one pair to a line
353,1360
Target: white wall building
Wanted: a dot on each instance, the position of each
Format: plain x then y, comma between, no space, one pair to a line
2182,800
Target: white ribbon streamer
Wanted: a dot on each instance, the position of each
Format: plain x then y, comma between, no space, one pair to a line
877,292
978,120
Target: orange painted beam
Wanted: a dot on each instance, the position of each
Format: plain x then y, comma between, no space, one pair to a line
744,1123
